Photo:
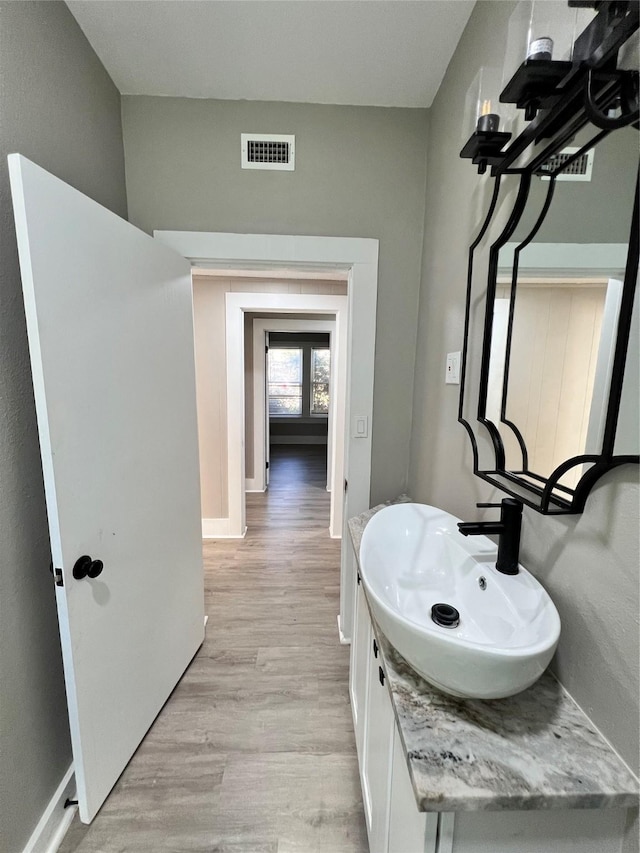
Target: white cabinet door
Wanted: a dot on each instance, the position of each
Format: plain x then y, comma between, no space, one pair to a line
378,748
410,831
109,318
359,671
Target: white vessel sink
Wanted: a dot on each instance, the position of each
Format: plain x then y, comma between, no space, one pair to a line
412,556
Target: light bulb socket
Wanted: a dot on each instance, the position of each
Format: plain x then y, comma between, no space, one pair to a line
488,123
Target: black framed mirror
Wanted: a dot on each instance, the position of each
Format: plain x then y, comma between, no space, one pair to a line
549,392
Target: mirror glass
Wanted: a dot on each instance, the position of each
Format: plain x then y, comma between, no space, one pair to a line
548,380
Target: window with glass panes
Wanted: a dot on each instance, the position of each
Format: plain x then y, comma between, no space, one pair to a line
320,367
298,380
285,381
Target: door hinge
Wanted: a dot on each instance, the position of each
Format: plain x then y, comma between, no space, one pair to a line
346,485
267,464
57,575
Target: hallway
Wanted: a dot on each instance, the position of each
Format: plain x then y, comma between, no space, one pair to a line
254,751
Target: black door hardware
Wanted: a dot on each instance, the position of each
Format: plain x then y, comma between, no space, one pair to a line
87,567
375,649
359,579
57,574
381,675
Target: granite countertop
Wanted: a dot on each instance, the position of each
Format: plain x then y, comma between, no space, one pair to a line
536,750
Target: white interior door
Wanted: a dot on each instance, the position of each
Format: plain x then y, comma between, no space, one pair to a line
109,317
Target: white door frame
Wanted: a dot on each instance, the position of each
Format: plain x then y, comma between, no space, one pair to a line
337,391
299,303
359,257
278,303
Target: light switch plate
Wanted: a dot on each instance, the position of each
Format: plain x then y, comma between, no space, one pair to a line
360,426
452,375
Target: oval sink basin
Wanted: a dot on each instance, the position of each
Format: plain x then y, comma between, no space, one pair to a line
506,629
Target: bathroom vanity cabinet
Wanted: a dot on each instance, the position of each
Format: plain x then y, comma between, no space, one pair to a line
440,776
394,824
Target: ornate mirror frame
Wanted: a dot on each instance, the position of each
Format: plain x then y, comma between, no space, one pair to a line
569,112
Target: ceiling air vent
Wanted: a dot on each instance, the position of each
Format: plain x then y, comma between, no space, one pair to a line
268,151
579,170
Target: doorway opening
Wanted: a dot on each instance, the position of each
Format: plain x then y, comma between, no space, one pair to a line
358,258
300,403
233,314
295,395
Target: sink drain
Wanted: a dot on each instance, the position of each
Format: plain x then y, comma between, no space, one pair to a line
445,615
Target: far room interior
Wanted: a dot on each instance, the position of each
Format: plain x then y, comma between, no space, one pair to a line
264,425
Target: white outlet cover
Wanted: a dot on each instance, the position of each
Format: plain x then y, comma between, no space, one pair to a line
452,374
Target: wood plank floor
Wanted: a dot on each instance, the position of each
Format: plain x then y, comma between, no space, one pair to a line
254,751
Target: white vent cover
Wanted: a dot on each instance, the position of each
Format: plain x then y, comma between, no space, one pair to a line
268,151
579,170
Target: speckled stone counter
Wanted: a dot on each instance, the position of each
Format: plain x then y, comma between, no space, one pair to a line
536,750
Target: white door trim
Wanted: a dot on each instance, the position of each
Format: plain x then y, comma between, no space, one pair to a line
359,257
337,388
267,249
56,819
335,450
278,303
568,258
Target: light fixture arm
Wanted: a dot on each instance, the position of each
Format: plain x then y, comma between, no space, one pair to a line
628,85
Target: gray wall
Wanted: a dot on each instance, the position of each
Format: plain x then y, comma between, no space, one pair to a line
360,172
589,563
595,211
59,108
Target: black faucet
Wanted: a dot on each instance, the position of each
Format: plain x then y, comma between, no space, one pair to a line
508,529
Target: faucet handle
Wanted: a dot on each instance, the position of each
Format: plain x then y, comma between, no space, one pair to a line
505,502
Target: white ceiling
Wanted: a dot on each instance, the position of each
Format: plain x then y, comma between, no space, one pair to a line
375,52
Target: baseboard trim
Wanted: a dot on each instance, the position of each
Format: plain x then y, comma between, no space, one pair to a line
253,485
344,641
218,528
56,820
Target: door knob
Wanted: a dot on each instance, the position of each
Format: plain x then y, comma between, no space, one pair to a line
86,567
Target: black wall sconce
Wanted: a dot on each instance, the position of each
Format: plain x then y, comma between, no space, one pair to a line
559,97
484,148
578,104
